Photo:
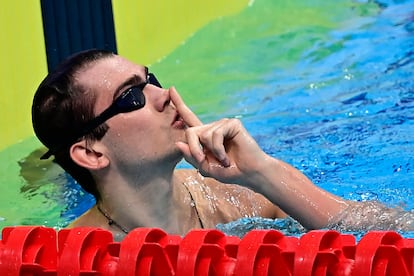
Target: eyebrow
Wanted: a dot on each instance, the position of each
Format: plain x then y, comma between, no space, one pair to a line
133,80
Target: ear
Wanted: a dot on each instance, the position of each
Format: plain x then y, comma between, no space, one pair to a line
90,156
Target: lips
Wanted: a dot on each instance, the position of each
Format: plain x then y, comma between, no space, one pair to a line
178,122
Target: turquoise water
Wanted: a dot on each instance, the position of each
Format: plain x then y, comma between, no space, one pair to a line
327,87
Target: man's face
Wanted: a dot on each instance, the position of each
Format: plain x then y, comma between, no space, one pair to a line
145,135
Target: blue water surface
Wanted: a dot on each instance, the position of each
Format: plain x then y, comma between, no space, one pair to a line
344,118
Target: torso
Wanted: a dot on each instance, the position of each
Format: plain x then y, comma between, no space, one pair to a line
199,203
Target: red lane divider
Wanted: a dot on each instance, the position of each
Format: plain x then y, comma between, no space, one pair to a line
322,253
81,250
37,250
147,251
266,253
385,258
204,253
28,251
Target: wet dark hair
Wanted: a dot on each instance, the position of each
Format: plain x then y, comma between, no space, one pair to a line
61,108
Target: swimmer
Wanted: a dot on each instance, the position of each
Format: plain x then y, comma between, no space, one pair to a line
112,126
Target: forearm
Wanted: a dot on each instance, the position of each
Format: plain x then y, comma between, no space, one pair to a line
294,193
373,215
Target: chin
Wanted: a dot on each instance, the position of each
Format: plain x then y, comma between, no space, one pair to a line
175,156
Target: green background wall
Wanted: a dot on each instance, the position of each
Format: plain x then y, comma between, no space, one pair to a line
146,31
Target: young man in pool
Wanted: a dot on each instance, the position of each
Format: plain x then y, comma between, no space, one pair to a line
110,124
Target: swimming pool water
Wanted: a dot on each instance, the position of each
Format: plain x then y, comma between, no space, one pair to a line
327,87
345,118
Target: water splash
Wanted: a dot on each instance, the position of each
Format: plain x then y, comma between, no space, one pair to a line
241,227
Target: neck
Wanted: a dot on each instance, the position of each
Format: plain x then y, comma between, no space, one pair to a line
145,203
111,222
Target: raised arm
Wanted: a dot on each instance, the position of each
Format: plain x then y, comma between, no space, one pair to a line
225,151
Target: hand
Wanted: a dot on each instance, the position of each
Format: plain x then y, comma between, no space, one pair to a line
222,149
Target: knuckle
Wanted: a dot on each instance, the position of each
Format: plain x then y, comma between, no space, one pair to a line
235,122
204,135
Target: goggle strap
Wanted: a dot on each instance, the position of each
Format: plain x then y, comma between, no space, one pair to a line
103,117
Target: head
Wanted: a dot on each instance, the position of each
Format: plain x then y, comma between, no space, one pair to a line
60,106
71,117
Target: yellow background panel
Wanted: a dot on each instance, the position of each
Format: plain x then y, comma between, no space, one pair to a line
149,30
23,65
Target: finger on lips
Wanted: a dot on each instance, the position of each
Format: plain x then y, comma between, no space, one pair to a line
185,112
198,135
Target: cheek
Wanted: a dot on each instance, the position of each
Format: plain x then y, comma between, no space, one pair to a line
127,130
132,134
135,121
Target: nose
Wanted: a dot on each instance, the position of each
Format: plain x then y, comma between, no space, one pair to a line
158,97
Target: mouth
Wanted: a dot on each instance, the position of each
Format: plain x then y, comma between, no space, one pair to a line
178,122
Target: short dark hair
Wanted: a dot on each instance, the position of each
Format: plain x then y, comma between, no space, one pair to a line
61,108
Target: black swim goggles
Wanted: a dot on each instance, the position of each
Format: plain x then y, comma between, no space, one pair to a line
131,99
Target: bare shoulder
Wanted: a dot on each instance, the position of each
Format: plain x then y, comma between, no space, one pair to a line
89,218
185,172
235,194
186,175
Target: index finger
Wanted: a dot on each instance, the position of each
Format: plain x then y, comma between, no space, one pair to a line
185,112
